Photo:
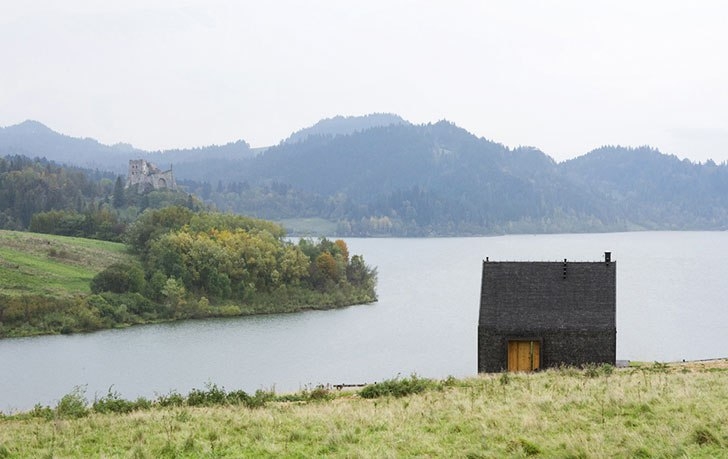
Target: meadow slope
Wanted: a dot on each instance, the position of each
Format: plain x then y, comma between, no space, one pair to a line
650,410
42,264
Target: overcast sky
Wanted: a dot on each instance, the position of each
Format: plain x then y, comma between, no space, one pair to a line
563,76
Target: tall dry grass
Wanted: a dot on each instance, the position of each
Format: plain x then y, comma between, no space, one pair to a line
651,410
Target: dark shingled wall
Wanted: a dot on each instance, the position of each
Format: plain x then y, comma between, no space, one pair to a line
569,307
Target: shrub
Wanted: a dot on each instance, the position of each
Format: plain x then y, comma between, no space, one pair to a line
72,405
40,411
229,310
592,370
134,303
704,436
213,395
142,403
320,393
260,398
238,397
450,381
525,446
171,399
505,378
119,278
398,387
113,403
606,369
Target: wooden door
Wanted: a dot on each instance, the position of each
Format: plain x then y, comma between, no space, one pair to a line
524,355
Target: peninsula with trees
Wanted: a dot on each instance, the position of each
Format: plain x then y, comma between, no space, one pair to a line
101,255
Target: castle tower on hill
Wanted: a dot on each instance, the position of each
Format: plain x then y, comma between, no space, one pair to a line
149,177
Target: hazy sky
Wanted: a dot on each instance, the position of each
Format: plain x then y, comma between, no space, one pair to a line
564,76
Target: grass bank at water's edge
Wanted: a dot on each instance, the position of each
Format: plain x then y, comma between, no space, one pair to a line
652,410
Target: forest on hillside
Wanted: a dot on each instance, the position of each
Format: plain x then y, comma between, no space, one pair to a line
439,180
382,176
42,196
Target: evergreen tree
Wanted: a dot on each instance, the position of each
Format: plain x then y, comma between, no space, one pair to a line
118,200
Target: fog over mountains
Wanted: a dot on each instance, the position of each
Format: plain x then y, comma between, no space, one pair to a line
380,175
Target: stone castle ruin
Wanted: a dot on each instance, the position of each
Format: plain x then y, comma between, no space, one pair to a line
149,177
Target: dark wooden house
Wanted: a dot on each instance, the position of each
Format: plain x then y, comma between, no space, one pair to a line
536,315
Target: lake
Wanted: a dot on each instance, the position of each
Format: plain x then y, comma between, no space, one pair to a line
671,305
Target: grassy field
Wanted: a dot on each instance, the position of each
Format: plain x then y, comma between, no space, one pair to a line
651,410
42,264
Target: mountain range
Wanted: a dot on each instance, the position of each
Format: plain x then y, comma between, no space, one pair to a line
381,175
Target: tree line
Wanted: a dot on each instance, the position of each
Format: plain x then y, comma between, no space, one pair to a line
225,256
41,196
194,264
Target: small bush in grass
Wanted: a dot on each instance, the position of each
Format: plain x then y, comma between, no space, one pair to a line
213,395
238,397
591,370
40,411
113,403
527,447
320,393
260,398
641,452
72,405
704,436
450,381
142,403
660,367
216,396
398,387
505,378
55,253
171,399
606,369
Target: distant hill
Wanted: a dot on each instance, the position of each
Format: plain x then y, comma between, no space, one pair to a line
344,125
655,190
438,179
416,180
380,175
34,139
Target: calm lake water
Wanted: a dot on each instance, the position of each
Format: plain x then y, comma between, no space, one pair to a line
672,297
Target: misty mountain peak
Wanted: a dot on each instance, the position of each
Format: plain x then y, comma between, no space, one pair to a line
345,125
31,127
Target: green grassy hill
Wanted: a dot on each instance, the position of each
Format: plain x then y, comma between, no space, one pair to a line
653,410
40,264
